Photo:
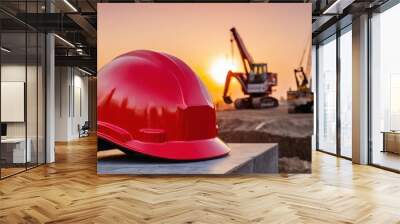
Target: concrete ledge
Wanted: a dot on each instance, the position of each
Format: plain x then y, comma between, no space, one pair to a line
244,158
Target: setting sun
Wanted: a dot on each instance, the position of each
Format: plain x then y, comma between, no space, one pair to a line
220,68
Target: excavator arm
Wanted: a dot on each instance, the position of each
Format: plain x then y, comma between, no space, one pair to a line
300,70
247,59
238,76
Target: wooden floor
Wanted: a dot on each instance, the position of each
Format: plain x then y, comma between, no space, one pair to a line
70,191
387,159
11,170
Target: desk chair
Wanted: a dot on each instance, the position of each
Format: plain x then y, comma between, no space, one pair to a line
84,130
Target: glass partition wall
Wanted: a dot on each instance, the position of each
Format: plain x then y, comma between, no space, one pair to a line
326,96
334,93
22,98
385,89
13,89
345,92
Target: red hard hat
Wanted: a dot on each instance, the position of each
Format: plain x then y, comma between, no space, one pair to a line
153,103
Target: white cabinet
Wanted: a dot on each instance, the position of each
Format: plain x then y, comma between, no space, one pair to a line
17,147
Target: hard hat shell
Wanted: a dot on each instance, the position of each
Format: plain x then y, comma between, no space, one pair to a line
154,104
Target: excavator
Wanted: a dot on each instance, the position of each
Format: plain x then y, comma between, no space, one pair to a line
256,82
301,100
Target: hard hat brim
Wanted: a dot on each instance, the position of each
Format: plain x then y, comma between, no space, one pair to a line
175,150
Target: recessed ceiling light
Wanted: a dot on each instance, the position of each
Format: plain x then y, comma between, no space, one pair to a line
337,7
84,71
5,50
64,40
70,5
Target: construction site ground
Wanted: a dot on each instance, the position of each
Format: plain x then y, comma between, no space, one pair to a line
291,131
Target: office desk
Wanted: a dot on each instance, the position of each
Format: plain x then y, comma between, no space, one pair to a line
391,141
13,150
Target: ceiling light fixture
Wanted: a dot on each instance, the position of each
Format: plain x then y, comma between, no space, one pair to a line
70,5
337,7
84,71
64,40
5,50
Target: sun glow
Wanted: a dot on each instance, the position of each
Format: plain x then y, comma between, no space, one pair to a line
220,68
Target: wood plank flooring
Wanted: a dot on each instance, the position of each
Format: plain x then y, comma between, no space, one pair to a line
70,191
387,159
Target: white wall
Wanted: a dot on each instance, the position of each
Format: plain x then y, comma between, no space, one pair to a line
80,112
33,126
12,73
61,103
71,102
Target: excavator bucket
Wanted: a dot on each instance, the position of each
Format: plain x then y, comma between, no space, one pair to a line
228,99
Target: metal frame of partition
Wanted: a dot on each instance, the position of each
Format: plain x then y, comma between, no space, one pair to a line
41,43
316,102
0,93
369,106
338,96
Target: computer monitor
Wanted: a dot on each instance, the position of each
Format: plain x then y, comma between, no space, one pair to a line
3,129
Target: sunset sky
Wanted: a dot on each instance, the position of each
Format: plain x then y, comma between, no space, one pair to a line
199,35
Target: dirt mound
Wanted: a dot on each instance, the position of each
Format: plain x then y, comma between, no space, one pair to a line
291,131
273,121
294,165
288,146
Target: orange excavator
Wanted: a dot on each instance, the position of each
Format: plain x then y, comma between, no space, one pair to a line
301,100
256,82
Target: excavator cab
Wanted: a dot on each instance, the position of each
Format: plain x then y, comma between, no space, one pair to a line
301,79
260,80
301,100
258,74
